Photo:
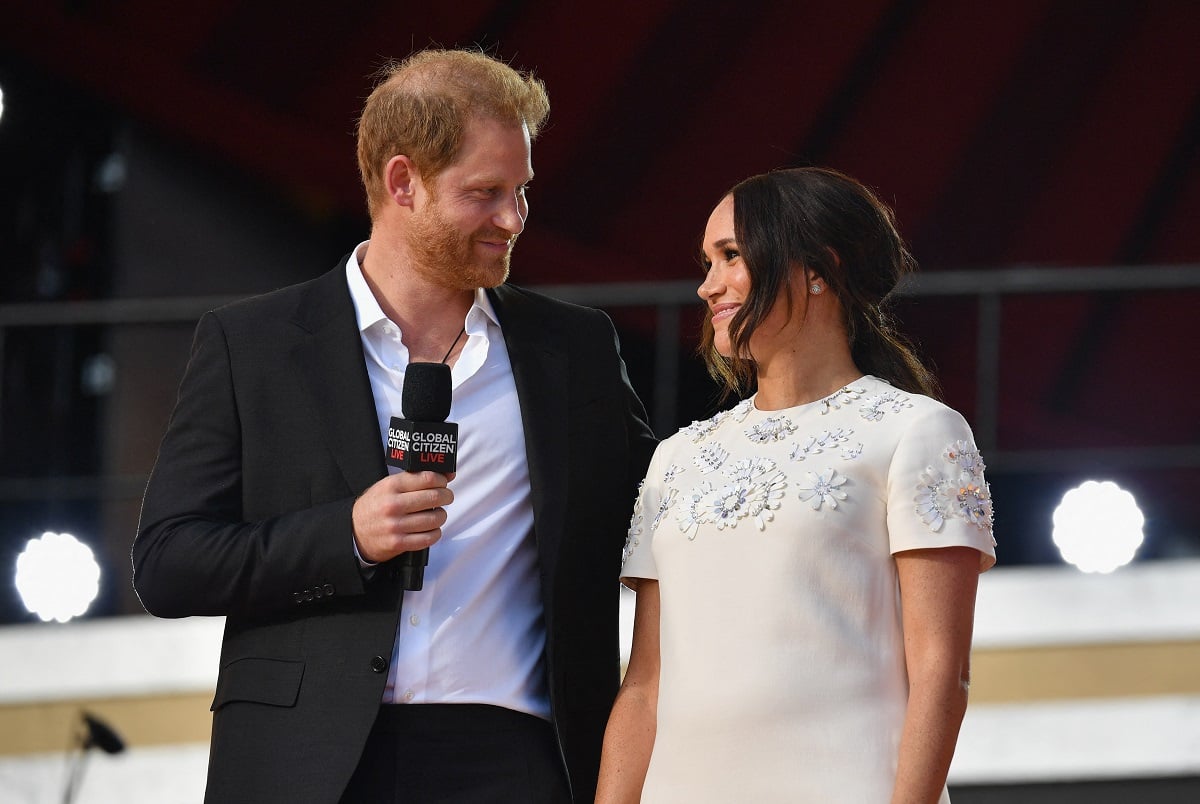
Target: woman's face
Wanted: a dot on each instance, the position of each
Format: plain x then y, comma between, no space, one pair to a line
726,286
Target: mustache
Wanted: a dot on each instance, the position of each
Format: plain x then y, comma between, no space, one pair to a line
497,234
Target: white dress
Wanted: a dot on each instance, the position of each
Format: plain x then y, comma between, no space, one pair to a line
771,534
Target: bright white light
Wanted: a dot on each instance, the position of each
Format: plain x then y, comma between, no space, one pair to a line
1098,526
1,103
57,576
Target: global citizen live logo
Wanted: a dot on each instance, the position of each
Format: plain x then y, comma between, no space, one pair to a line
416,446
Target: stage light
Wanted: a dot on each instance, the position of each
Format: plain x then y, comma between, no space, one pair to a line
1,103
1098,526
57,577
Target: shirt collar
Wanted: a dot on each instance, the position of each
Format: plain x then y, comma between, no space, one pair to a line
369,313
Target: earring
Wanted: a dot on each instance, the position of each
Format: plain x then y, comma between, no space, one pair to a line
815,288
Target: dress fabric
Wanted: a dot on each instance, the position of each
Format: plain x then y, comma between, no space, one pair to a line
771,534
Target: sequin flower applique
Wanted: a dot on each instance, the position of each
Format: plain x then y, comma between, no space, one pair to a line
775,428
710,457
889,401
741,410
840,398
824,487
697,430
663,506
753,489
635,527
956,490
815,445
766,488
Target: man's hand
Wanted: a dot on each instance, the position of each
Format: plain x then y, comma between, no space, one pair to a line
400,513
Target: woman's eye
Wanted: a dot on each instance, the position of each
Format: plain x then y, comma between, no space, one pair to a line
731,254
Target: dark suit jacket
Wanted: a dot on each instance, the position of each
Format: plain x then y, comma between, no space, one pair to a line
247,515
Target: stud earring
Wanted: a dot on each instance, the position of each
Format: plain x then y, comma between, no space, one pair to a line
815,289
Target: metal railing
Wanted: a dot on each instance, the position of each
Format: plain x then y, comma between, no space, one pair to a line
669,299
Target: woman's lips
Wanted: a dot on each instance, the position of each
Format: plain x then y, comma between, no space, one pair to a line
722,312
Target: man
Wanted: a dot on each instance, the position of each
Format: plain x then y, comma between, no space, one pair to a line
271,504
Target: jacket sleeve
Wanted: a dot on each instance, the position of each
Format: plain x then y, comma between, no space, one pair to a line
641,439
194,553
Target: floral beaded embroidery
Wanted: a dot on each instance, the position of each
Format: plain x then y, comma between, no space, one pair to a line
710,457
698,430
823,488
843,396
663,507
635,527
774,428
817,444
755,489
889,401
958,491
740,411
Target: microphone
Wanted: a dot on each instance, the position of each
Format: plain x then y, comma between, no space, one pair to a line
101,735
422,440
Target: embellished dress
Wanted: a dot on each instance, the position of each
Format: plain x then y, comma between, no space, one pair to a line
771,534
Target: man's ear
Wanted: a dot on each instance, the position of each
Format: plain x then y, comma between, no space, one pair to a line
400,180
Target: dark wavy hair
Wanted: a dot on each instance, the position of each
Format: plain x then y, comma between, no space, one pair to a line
816,218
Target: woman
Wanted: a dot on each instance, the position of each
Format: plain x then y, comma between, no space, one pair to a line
806,562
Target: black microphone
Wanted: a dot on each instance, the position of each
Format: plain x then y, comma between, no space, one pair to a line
422,440
101,735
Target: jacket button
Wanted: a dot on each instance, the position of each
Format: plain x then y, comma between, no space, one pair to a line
298,597
378,664
329,589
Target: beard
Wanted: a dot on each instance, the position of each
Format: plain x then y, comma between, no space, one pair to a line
447,257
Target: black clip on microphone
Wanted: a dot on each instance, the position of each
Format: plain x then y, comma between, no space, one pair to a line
422,440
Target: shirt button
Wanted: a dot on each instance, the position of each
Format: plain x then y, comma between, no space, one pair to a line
408,695
415,620
378,664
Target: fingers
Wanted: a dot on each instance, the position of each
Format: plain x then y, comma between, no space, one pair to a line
401,512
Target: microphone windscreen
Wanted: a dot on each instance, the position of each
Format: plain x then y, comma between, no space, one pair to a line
101,735
426,393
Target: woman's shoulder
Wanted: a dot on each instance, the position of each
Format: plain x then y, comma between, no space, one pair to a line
878,396
702,429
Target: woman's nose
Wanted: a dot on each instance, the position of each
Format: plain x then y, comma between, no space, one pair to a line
710,286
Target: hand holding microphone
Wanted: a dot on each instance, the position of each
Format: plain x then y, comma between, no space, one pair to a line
403,513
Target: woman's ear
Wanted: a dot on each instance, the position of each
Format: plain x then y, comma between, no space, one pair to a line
814,282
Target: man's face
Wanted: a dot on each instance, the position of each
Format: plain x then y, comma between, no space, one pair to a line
467,219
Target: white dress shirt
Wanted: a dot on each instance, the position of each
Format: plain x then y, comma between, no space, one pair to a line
475,633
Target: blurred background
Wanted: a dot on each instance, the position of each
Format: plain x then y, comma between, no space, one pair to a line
1043,159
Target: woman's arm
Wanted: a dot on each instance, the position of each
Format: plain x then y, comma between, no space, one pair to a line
937,596
629,738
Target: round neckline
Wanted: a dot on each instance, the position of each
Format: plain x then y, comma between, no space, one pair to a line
756,409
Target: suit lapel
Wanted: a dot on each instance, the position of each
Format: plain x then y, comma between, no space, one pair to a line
539,363
330,359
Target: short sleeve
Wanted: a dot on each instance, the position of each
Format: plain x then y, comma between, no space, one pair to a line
648,509
937,495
